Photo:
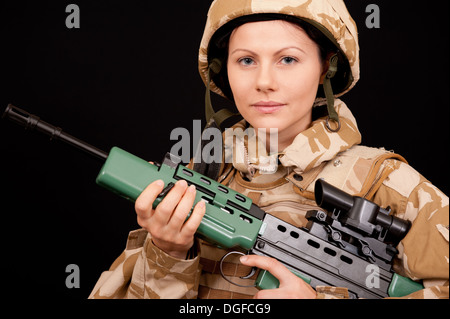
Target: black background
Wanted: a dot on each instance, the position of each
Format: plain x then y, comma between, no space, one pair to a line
128,77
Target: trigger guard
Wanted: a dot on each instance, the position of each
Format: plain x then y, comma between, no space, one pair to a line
252,272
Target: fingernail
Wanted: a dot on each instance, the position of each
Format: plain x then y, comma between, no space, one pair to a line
243,259
191,189
159,183
201,204
182,182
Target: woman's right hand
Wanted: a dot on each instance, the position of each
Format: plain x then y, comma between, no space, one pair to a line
167,224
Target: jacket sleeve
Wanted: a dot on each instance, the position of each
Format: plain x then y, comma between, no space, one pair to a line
145,271
424,252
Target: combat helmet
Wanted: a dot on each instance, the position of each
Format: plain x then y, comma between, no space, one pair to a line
330,18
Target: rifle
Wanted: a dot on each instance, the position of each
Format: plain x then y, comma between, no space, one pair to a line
336,248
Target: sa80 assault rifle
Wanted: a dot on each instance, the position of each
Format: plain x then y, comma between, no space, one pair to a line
350,243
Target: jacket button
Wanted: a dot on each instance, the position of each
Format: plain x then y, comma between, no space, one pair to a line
337,163
298,177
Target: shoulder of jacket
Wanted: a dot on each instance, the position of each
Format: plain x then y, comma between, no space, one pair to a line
359,170
366,152
404,180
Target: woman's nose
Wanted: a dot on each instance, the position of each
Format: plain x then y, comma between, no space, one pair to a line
266,80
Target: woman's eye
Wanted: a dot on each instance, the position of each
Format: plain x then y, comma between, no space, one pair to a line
288,60
246,61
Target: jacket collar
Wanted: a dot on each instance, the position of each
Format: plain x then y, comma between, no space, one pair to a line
309,149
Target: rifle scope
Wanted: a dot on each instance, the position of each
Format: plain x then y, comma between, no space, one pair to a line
360,213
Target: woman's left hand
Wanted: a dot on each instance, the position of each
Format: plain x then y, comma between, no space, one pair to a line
291,286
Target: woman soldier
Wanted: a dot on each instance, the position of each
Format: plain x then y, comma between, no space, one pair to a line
283,64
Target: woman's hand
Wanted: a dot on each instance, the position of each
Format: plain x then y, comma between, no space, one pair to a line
167,223
291,286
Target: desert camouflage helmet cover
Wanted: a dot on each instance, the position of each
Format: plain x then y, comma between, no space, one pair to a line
331,14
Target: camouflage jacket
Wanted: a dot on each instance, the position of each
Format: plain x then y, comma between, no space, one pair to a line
144,271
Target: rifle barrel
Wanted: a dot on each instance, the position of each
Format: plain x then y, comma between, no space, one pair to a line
33,122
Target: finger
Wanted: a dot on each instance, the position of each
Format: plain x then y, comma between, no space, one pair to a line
191,226
165,209
268,294
184,207
276,268
143,204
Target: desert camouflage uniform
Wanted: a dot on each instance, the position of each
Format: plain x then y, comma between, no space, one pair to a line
144,271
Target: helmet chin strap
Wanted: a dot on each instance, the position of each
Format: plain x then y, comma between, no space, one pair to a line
214,67
211,116
207,166
332,114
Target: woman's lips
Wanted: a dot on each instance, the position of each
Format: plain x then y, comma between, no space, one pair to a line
268,107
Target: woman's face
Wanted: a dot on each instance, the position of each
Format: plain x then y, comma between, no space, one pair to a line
274,70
